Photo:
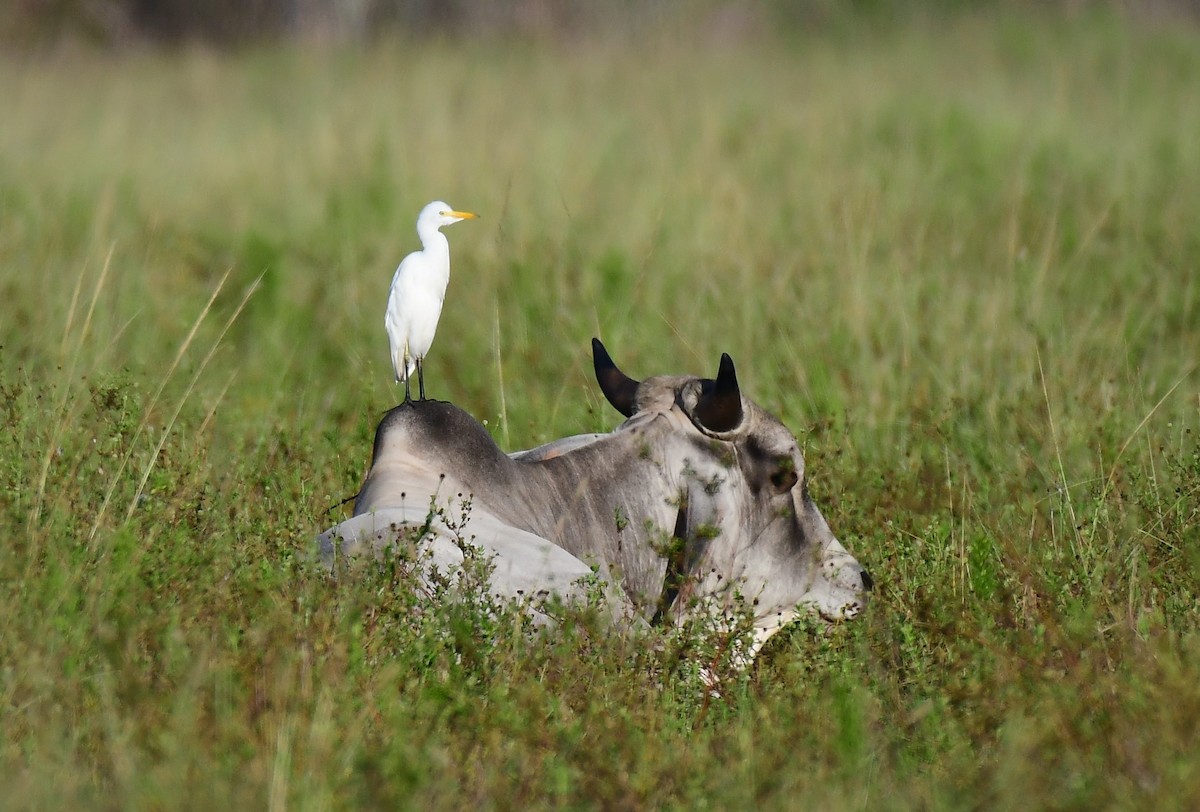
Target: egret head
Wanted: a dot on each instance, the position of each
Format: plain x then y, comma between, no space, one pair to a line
439,213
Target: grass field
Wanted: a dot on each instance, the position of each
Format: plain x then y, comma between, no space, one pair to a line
960,259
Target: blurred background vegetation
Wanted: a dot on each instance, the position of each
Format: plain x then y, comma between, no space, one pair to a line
121,23
953,246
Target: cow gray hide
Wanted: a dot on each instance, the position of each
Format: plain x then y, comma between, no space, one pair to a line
698,495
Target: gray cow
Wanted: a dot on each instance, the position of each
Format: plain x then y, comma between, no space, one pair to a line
697,495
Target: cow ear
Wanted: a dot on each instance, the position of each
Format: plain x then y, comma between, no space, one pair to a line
719,408
619,388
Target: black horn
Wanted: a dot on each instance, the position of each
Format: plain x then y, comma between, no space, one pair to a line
720,406
619,388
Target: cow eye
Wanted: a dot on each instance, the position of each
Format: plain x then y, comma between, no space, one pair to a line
784,478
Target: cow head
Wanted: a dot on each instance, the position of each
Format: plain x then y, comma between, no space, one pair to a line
746,520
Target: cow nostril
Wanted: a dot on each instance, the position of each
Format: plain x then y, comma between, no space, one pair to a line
868,581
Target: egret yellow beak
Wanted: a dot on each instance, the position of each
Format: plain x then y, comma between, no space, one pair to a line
461,215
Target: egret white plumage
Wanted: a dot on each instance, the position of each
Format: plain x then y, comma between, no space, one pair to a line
418,289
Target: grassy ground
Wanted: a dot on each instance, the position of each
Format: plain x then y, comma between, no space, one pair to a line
959,259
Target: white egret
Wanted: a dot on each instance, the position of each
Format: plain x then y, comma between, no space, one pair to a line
418,289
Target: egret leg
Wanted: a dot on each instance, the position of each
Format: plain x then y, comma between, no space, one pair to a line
421,378
407,391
